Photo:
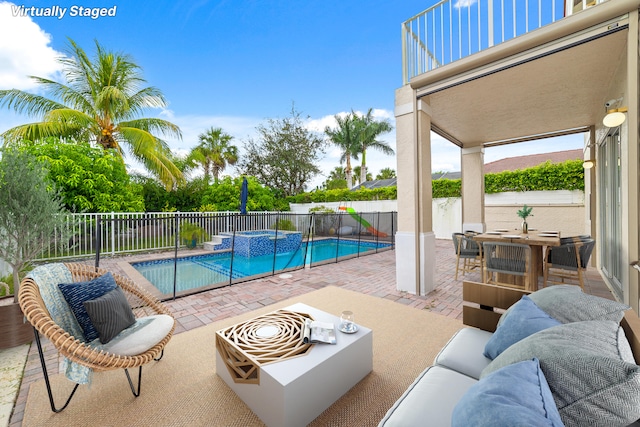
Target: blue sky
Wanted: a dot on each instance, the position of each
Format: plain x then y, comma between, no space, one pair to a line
233,64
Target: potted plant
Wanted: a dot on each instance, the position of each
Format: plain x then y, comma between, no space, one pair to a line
192,234
31,214
524,213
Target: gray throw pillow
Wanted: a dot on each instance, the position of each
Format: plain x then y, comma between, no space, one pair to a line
567,303
110,314
587,376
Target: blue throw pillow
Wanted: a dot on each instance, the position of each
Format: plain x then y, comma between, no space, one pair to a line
78,292
524,318
516,395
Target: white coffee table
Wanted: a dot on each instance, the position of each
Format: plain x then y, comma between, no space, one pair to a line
293,392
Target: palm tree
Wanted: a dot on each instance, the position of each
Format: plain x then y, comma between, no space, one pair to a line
345,137
101,102
358,171
214,152
368,129
386,173
335,179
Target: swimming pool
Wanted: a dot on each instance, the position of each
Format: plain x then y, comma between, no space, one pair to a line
211,269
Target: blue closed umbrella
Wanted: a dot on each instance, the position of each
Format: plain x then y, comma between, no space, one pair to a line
244,194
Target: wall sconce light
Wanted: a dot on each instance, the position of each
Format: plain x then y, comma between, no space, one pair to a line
615,117
588,164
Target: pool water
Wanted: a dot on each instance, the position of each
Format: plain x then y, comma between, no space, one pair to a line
206,270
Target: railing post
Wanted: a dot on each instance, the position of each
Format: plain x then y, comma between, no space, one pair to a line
405,76
490,21
98,240
175,254
113,233
233,249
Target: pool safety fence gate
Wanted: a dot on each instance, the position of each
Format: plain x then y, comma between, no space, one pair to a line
233,247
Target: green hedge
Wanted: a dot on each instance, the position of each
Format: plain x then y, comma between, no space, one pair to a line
547,176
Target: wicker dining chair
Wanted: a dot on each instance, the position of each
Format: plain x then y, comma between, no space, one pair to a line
467,250
146,341
511,259
566,264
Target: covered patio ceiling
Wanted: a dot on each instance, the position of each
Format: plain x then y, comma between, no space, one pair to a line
558,87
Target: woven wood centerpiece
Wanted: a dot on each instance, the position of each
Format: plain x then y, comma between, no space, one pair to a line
272,337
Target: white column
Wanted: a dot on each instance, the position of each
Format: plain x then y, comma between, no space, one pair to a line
472,171
415,239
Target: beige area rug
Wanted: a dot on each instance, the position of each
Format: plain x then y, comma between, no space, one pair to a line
184,390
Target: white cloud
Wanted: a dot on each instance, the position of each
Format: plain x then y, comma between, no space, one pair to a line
24,50
464,3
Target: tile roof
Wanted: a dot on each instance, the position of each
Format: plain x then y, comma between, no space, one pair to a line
523,162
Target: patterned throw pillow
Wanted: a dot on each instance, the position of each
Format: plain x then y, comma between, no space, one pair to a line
78,292
516,395
587,375
567,303
110,314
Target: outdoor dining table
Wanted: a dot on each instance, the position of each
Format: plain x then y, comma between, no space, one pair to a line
536,241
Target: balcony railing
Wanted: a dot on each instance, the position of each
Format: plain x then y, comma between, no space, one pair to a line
453,29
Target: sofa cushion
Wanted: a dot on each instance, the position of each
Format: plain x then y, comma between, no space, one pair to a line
587,376
523,319
516,395
110,314
567,303
429,400
463,352
76,293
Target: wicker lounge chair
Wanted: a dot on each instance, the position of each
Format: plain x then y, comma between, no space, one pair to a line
93,356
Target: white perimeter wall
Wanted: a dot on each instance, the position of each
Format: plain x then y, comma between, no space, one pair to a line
552,210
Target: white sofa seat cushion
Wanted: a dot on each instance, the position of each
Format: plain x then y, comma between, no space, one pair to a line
463,352
139,337
429,400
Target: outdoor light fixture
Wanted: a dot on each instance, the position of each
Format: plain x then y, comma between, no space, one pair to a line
615,117
588,164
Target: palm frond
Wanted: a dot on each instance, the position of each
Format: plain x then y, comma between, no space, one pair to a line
27,103
153,125
148,150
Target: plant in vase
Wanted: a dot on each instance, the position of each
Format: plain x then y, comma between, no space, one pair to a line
524,213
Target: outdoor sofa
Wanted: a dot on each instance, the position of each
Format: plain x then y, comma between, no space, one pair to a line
560,357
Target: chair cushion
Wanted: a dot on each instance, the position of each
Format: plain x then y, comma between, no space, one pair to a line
463,352
516,395
567,303
140,337
429,400
523,319
77,293
110,314
587,376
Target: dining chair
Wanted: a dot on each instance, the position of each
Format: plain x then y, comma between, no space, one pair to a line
469,251
566,264
505,262
571,239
